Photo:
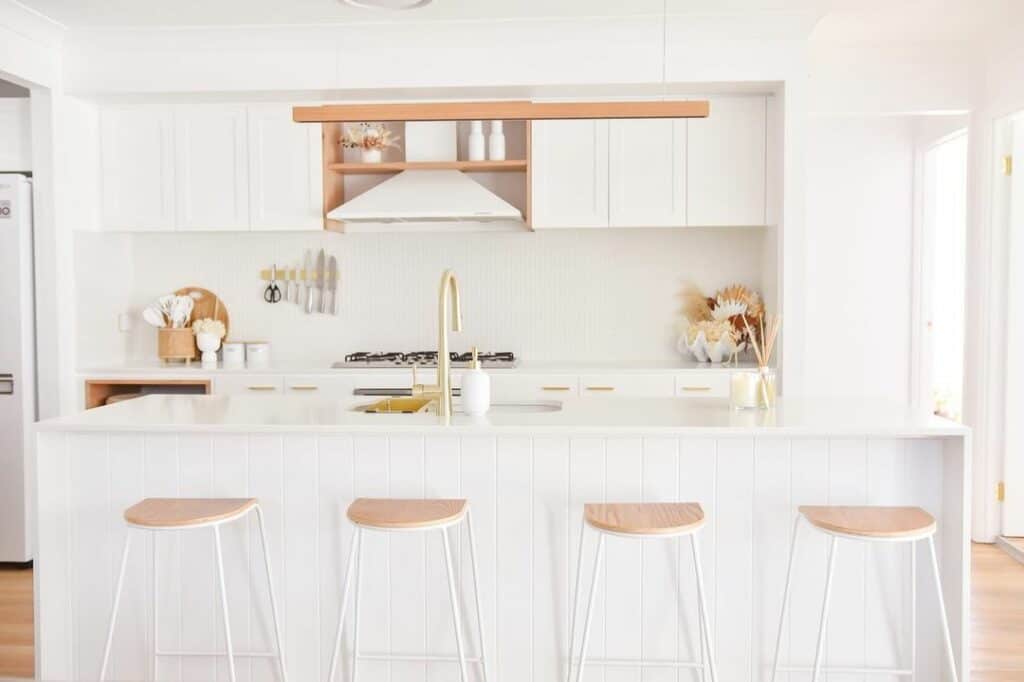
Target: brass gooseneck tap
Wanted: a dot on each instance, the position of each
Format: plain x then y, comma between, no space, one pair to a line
449,312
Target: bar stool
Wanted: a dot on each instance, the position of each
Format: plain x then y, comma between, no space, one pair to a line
867,524
180,514
409,516
638,521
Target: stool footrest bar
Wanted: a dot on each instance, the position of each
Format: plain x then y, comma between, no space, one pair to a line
839,670
626,663
236,654
413,657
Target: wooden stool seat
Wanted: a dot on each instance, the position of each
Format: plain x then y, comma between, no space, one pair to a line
396,513
652,518
871,522
169,512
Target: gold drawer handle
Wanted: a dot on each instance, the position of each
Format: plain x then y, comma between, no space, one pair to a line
600,388
263,387
696,388
554,388
304,387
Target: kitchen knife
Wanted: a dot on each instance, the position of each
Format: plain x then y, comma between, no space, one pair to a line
332,283
321,275
307,277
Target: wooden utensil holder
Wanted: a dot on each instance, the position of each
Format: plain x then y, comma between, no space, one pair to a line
176,344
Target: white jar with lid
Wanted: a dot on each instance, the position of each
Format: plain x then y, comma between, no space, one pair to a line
257,355
234,354
476,389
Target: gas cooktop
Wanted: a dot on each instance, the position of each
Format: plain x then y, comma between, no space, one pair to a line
423,358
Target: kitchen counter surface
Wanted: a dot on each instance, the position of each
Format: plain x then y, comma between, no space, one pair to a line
155,368
711,416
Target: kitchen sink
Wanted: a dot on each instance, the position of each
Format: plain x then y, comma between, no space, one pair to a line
417,405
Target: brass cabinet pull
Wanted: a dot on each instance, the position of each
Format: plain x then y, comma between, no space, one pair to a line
696,388
554,388
263,387
304,387
600,388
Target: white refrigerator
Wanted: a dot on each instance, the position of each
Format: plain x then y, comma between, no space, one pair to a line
17,368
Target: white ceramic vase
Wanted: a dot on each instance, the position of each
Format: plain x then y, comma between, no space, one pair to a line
209,344
372,155
496,142
476,144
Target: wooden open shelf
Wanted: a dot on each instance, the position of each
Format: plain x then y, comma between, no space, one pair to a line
511,165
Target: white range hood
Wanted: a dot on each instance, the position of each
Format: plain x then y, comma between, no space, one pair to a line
427,196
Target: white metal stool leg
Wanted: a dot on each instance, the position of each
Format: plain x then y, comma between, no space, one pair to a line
913,611
785,597
942,609
273,600
224,605
455,605
344,602
705,626
355,597
819,653
575,602
476,593
117,603
590,607
156,640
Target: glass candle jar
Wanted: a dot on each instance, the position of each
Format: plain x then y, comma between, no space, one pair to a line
752,389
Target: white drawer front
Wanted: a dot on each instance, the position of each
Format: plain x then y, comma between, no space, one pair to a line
626,386
512,387
702,384
336,387
250,384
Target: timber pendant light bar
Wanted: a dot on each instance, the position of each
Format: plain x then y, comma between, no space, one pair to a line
507,111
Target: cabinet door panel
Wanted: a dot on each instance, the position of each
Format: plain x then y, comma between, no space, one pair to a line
513,387
248,384
137,168
211,167
285,184
703,383
570,173
15,135
726,156
647,172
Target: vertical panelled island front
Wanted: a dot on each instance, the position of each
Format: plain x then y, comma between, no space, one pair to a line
526,476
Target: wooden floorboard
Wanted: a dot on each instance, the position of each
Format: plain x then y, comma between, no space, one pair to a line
16,632
997,618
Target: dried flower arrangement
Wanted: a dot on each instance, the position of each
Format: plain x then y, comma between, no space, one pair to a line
209,326
369,136
719,327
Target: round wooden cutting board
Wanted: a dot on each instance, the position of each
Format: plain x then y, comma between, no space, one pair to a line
207,305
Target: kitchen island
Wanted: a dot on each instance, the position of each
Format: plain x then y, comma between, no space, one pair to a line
527,474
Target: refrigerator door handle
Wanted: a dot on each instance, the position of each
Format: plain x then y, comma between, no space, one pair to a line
6,384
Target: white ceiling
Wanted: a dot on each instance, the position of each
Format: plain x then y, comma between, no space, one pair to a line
843,19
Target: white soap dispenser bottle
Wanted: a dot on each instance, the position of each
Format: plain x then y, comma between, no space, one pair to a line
476,389
496,142
476,141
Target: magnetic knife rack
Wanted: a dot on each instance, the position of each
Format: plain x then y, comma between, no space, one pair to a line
296,275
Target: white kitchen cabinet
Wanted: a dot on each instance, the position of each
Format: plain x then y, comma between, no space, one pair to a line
248,384
517,387
569,173
211,167
626,385
726,163
285,172
703,383
137,182
15,134
647,172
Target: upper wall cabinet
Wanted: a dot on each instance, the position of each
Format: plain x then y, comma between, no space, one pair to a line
285,188
647,172
208,167
570,173
137,168
211,167
15,135
726,157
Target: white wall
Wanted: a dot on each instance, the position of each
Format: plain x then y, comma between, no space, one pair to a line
859,238
566,295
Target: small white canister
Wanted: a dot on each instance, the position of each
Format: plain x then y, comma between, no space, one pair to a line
257,355
234,355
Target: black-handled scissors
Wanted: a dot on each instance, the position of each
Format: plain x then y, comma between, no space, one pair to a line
273,292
